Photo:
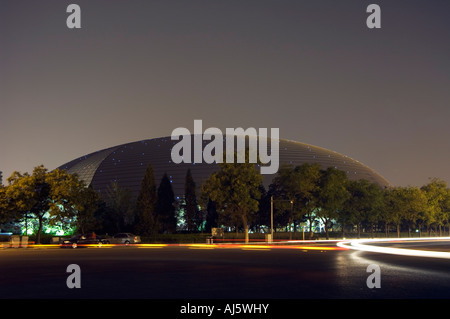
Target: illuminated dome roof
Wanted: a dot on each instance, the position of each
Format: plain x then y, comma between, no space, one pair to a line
126,164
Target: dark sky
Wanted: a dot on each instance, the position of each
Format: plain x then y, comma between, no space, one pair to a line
139,69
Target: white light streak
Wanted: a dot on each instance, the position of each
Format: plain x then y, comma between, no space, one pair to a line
360,244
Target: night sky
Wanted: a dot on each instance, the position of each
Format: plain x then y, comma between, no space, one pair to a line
139,69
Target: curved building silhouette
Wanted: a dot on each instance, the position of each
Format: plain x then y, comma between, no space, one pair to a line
126,164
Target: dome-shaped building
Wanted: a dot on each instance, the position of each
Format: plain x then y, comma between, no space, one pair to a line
126,164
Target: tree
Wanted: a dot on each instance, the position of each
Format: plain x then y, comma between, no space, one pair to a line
446,207
436,193
50,197
3,204
295,188
285,190
146,204
404,205
191,211
211,216
165,206
29,196
353,212
415,202
278,207
7,206
262,216
235,190
364,204
375,200
71,201
309,186
120,207
391,213
333,194
89,203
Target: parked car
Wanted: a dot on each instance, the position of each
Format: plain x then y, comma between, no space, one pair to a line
82,240
125,238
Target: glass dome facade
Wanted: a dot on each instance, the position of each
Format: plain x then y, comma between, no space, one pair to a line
126,164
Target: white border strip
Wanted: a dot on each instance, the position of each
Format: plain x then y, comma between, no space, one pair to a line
359,245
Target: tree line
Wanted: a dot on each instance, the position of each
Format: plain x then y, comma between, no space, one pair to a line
232,197
308,195
56,199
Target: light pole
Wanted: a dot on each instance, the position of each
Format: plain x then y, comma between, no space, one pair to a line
271,218
292,213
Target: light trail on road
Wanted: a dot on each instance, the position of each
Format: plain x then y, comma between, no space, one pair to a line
305,245
367,245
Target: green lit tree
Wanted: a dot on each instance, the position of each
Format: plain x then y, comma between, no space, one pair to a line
49,197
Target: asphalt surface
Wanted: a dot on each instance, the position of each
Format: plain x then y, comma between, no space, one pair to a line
186,273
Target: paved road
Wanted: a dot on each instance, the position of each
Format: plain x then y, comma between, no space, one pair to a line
184,273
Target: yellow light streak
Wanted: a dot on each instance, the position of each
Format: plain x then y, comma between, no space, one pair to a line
151,245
